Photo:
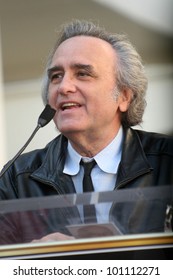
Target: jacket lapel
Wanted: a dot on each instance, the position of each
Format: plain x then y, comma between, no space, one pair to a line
133,162
51,170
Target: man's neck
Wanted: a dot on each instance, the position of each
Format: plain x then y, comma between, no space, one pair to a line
92,145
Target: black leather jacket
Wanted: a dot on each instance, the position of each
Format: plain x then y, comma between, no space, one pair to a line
147,160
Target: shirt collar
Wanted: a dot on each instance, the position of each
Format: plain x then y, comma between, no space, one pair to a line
108,159
72,162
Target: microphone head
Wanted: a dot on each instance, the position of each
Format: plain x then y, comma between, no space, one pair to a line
46,116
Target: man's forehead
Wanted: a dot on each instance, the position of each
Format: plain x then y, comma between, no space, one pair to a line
83,52
85,42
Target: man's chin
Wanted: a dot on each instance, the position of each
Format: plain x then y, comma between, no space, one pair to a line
70,130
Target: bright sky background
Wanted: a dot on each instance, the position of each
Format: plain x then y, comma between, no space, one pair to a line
157,14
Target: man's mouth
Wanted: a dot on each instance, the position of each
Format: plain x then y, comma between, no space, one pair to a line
69,105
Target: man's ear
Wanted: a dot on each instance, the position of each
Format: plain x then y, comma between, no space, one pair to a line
125,99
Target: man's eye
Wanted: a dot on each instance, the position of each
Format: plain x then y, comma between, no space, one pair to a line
55,77
83,74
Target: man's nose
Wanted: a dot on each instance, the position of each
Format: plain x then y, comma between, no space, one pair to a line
67,85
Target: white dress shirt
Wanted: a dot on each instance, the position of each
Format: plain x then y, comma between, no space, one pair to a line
103,174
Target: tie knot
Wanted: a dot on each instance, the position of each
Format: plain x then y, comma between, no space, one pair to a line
88,166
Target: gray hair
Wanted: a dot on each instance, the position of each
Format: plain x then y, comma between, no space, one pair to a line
130,72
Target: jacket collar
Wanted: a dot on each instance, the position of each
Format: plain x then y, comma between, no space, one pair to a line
133,162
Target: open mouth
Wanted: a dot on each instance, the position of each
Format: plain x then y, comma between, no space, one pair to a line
70,105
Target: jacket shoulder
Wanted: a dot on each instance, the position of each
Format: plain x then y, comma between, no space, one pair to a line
153,142
30,161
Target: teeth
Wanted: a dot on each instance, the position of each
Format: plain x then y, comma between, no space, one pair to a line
70,104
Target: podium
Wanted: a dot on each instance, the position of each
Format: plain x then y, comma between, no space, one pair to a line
138,226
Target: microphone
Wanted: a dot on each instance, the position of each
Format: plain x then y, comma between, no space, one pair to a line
45,117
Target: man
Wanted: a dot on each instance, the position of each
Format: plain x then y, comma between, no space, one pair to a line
96,83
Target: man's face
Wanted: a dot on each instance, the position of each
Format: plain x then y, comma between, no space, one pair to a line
82,82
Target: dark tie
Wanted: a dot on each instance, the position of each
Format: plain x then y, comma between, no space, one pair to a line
89,210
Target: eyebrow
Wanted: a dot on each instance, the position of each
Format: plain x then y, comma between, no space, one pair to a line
53,69
88,67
